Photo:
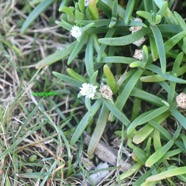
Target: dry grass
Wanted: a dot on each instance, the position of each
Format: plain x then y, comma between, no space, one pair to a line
32,151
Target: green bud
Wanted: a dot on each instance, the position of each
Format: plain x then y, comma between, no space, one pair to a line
32,158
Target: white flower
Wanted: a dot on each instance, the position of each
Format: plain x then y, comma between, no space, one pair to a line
86,3
138,54
76,31
88,90
181,100
106,92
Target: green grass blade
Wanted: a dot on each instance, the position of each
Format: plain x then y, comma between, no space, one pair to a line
125,40
85,121
99,129
160,47
19,140
35,13
53,166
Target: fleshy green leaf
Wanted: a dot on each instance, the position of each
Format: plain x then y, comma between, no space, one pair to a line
99,129
129,10
147,96
146,117
35,13
85,121
110,78
181,119
125,93
166,174
167,76
75,75
130,171
159,154
125,40
174,40
115,111
58,55
160,47
114,14
69,80
77,48
117,59
89,61
145,131
180,20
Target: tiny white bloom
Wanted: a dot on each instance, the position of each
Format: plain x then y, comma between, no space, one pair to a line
76,31
106,92
138,54
86,3
88,90
181,100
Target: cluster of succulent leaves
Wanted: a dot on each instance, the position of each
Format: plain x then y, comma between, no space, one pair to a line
153,124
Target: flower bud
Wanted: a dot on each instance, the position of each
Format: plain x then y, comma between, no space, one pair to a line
181,100
106,92
138,54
